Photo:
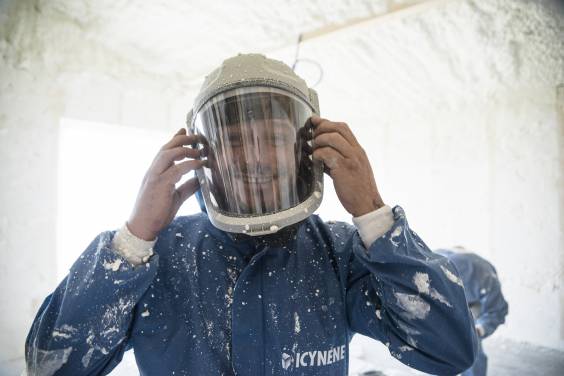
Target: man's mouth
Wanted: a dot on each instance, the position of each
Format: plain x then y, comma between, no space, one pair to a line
256,179
266,176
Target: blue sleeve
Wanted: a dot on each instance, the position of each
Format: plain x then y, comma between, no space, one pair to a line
400,293
493,307
82,327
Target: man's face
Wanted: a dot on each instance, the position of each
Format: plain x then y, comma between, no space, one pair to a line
257,161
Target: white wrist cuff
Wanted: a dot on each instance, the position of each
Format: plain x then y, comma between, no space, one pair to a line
135,250
373,225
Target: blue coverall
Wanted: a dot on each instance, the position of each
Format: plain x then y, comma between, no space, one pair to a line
483,293
213,303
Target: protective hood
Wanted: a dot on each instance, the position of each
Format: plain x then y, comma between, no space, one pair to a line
252,117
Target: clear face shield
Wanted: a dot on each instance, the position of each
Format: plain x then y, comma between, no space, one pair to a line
259,175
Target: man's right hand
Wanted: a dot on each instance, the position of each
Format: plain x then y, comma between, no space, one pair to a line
158,199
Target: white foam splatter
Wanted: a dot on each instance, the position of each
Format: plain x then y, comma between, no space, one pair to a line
379,314
411,341
405,348
103,241
423,284
57,334
89,341
274,314
108,331
209,328
86,358
229,297
64,331
421,280
413,305
48,362
114,266
437,296
395,355
297,327
397,232
451,276
68,328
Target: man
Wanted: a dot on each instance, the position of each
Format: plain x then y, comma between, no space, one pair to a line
254,285
484,296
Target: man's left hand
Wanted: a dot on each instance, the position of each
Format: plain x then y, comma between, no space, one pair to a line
347,164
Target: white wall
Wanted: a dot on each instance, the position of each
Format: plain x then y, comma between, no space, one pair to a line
455,105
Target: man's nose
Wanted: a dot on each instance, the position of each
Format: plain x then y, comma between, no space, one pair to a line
259,153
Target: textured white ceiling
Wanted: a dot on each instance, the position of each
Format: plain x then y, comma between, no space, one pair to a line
194,36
